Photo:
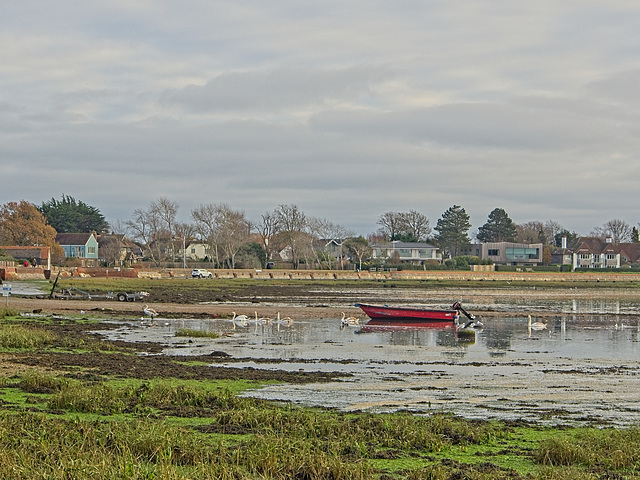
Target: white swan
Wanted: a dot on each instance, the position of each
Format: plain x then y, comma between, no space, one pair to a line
284,320
240,320
349,320
150,312
536,325
262,320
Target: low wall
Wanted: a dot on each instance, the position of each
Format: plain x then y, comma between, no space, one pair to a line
435,275
24,273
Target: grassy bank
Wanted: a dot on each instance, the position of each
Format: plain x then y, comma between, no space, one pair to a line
57,427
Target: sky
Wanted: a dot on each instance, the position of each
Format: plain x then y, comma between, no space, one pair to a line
347,109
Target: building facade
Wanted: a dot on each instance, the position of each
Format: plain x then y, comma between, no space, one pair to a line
508,253
82,246
413,252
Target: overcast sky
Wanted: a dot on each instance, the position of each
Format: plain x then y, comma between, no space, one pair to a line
348,109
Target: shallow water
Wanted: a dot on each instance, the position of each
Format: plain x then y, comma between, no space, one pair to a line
583,368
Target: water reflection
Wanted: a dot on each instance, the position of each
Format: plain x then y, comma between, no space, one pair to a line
583,366
575,335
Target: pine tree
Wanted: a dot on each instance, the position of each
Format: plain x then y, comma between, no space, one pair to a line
71,216
499,228
453,230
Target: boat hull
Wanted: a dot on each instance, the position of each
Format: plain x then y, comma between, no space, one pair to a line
407,314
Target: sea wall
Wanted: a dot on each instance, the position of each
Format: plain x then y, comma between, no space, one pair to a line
281,274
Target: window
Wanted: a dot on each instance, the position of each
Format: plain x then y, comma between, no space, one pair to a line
91,250
519,253
494,252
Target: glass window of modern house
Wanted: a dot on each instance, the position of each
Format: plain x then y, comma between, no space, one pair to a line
519,253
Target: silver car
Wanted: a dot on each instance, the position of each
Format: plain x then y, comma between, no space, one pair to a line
201,273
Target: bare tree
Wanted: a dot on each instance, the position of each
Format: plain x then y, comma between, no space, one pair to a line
145,227
223,229
415,224
551,230
538,232
166,211
268,229
293,230
234,231
205,218
530,232
619,231
325,232
359,247
120,227
390,224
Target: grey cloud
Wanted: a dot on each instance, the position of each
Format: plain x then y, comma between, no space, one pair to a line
465,125
275,89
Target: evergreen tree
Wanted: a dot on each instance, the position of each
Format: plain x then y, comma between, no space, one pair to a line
499,228
453,230
635,236
71,216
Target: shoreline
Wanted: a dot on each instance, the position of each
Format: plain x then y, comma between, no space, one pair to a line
313,307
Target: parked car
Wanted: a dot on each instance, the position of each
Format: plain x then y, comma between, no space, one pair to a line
201,273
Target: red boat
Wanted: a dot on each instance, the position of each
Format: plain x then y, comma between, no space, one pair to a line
401,315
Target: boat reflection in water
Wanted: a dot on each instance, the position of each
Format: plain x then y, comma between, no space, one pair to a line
459,333
377,325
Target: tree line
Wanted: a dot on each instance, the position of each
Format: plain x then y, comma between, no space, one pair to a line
232,240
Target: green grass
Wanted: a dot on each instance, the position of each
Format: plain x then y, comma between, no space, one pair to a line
8,312
23,337
191,332
103,285
126,428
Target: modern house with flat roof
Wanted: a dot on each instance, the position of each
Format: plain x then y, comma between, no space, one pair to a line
508,253
413,252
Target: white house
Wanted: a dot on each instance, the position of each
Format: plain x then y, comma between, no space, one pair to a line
196,251
414,252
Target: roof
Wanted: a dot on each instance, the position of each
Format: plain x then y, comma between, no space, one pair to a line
398,244
17,251
595,245
630,251
73,238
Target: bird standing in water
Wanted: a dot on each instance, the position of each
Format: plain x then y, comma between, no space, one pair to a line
150,312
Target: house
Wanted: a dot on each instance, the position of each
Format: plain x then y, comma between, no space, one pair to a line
593,252
412,252
629,253
509,253
196,251
118,250
82,246
330,252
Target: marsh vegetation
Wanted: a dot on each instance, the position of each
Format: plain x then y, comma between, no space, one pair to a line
77,406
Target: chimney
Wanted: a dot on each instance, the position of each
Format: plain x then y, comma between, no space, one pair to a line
564,242
609,239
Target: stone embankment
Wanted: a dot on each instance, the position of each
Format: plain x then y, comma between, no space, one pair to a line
280,274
